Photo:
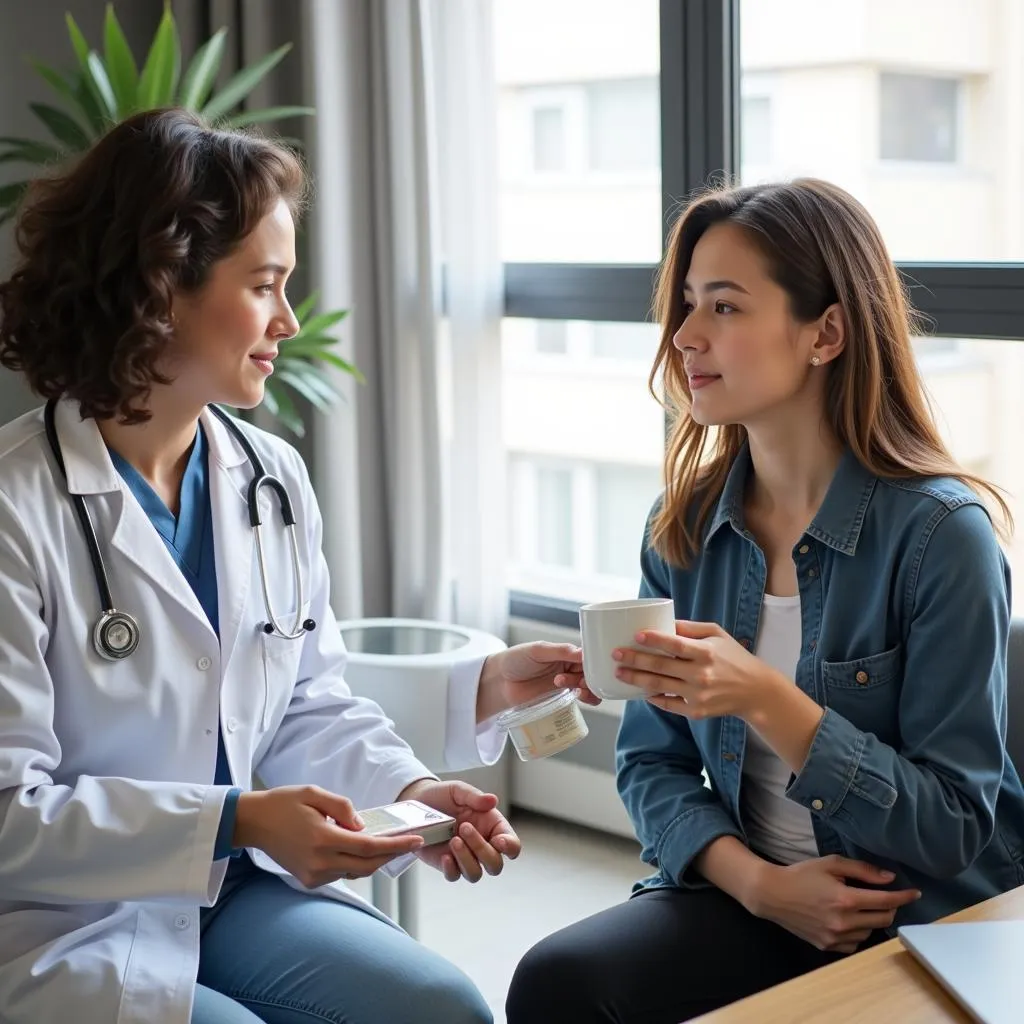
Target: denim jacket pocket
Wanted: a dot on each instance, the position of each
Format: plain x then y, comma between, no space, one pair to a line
866,691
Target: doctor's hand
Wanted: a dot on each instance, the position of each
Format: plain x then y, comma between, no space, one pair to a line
483,837
528,671
314,835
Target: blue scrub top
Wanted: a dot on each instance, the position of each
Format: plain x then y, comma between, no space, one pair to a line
189,539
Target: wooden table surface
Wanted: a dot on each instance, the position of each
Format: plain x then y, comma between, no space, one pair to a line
882,984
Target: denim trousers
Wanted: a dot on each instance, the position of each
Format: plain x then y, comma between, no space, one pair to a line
272,954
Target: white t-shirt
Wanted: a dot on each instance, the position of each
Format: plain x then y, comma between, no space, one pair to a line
775,825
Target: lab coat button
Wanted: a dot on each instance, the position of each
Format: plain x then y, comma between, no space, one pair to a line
203,663
181,922
232,724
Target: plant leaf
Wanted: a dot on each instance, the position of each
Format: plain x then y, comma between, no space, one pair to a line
11,194
267,114
78,43
322,322
159,79
73,94
63,128
304,386
202,71
314,377
120,65
100,83
29,150
304,308
105,110
242,83
342,364
284,409
269,400
308,346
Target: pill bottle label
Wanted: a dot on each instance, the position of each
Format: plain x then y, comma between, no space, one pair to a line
549,735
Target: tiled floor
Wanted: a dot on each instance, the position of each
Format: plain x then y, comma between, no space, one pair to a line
564,873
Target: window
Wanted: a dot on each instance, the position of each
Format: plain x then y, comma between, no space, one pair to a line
584,440
623,500
579,525
918,118
552,337
756,131
637,343
579,130
624,131
554,515
921,118
548,139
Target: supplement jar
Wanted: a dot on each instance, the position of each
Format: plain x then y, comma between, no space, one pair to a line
545,725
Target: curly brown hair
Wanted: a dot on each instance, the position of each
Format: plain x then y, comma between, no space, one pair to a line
105,246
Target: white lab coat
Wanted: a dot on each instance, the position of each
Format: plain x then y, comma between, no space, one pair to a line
107,812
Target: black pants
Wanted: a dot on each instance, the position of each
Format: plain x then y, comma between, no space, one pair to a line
665,956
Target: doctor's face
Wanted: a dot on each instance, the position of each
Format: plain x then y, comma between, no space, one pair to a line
229,330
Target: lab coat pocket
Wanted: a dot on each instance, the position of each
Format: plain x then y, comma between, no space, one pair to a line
281,659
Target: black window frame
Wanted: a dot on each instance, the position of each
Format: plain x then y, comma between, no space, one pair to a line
700,129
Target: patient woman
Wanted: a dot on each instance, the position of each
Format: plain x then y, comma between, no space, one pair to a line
839,665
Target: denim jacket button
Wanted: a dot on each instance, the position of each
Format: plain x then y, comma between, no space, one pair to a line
729,756
817,805
812,573
861,677
803,549
745,642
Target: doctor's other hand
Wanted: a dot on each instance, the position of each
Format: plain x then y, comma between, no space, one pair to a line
313,834
483,837
527,671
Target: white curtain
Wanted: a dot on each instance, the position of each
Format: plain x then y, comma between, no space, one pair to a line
410,471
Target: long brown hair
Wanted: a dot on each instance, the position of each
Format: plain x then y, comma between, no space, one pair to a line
104,246
822,247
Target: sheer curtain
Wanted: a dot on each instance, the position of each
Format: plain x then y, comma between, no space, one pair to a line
403,152
409,469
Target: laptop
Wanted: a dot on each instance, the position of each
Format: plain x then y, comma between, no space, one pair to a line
980,964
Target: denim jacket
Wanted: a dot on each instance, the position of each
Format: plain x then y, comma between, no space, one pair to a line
904,598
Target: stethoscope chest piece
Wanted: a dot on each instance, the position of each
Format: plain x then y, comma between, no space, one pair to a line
115,635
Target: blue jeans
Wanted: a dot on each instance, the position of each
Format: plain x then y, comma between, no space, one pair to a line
271,954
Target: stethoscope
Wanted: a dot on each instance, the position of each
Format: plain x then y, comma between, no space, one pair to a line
116,634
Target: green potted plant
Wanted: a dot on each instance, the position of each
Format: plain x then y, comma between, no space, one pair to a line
107,87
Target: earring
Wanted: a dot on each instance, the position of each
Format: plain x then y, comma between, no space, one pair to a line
815,360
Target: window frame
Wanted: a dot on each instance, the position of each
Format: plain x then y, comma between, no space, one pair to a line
700,126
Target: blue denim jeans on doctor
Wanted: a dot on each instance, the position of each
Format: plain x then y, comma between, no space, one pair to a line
272,954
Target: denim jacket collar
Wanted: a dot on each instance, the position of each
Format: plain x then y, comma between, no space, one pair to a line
840,518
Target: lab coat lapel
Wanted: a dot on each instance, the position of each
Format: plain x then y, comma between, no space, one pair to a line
136,538
115,513
232,535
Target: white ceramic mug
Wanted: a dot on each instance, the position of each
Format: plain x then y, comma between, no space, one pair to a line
611,624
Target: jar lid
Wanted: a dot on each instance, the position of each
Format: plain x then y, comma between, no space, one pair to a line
532,710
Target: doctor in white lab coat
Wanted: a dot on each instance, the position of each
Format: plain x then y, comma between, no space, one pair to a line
151,284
